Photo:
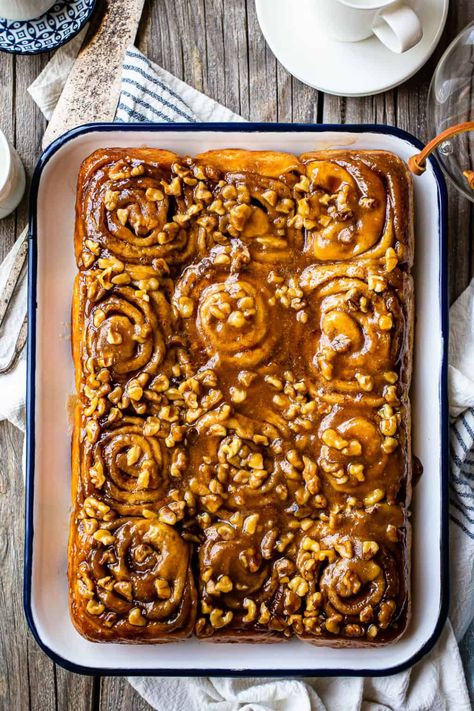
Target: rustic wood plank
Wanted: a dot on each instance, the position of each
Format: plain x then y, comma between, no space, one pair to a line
7,124
262,73
117,695
166,46
14,673
307,103
370,109
225,56
41,678
29,124
236,46
75,692
460,245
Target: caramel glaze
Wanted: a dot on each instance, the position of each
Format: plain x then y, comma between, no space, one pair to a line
242,337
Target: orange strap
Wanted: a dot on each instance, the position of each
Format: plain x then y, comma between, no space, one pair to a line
469,175
417,163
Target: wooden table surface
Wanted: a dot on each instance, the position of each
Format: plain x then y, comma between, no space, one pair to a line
216,46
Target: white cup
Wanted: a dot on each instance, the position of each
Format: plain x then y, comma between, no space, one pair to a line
395,23
24,9
12,177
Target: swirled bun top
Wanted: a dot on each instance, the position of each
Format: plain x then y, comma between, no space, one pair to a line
242,337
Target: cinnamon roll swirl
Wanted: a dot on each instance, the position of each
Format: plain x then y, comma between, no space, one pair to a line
237,462
238,580
356,205
121,339
242,333
359,573
260,216
230,316
125,466
131,580
357,336
360,452
134,207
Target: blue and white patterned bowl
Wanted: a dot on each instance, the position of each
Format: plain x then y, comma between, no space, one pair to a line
54,28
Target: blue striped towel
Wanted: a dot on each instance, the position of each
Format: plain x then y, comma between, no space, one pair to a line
462,474
149,93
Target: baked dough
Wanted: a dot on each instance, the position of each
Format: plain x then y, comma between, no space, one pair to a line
242,341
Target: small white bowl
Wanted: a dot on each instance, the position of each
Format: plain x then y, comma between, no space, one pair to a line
12,177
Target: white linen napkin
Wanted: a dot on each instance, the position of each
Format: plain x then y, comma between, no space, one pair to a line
461,353
437,683
12,383
48,85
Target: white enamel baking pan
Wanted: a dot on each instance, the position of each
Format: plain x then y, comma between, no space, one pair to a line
50,384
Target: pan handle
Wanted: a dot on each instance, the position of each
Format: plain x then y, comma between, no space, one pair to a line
417,163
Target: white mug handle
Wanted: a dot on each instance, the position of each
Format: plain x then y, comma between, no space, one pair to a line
398,27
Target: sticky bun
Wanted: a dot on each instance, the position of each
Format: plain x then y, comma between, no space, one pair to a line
242,338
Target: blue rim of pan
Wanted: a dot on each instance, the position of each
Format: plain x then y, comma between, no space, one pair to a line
30,398
58,25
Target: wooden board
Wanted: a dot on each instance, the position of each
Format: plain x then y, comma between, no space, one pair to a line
217,46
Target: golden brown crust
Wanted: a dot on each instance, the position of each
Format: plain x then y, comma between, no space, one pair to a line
242,338
262,163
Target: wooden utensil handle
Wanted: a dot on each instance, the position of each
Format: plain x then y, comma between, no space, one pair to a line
92,89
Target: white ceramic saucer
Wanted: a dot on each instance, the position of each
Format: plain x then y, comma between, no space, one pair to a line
343,68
